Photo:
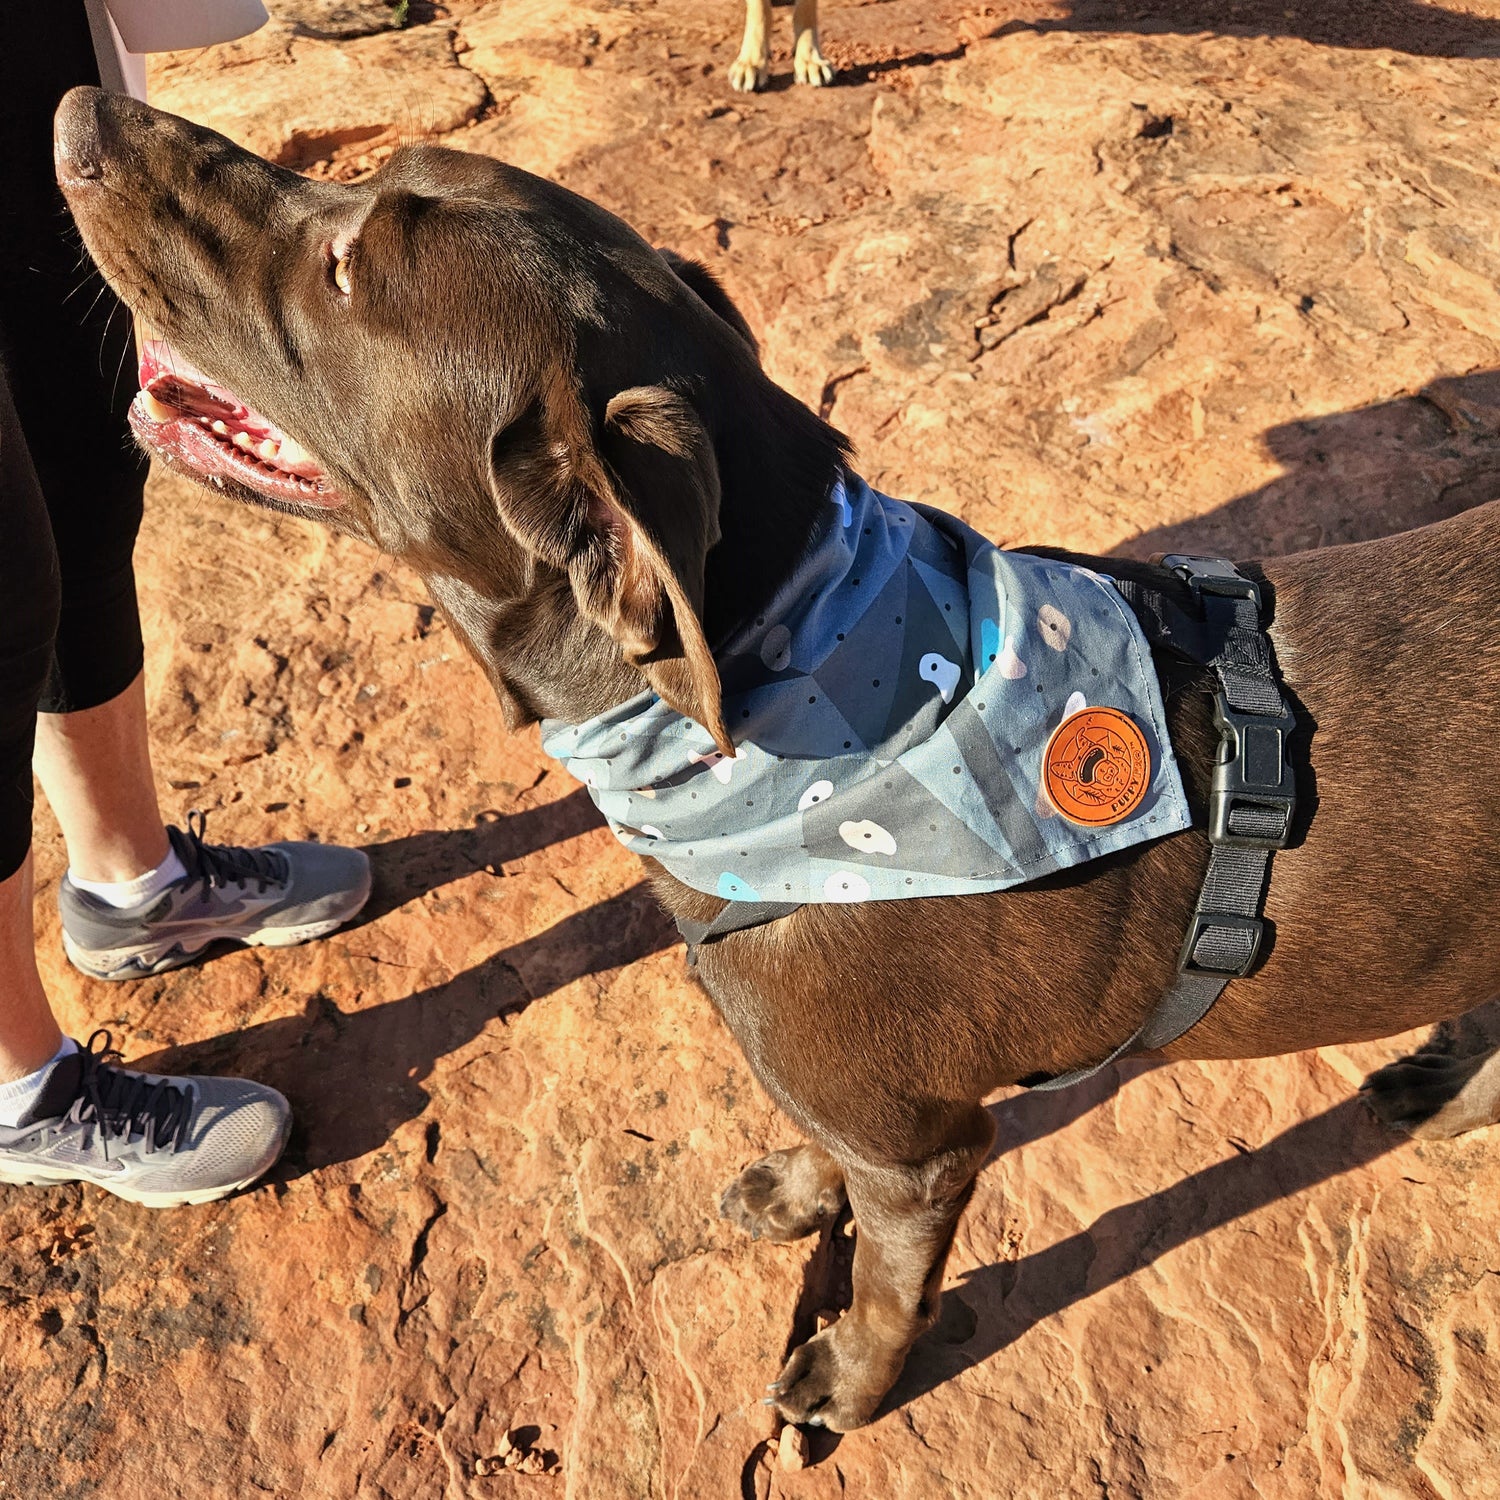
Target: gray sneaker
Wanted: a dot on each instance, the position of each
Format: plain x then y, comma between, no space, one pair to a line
276,895
156,1140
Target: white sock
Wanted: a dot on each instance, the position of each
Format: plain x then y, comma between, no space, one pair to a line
124,893
20,1094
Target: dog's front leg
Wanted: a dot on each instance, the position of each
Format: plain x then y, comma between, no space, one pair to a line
808,63
905,1218
748,71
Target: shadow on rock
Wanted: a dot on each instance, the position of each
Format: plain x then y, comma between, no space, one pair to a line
1355,475
353,1077
408,868
999,1303
1402,25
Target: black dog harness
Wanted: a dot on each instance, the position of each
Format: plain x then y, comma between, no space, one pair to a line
1203,614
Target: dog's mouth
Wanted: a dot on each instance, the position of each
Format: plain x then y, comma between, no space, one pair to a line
199,427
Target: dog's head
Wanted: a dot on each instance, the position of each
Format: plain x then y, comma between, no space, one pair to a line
475,370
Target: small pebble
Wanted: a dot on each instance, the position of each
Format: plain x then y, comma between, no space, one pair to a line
504,1446
792,1450
481,1467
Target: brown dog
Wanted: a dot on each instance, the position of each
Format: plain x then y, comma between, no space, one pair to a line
571,438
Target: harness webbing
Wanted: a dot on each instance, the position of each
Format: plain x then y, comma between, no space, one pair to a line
1251,802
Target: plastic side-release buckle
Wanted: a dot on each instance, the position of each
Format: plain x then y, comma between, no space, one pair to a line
1210,575
1253,794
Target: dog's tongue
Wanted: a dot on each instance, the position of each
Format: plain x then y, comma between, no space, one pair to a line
180,387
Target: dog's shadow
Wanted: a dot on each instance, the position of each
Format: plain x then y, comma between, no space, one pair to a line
995,1305
354,1077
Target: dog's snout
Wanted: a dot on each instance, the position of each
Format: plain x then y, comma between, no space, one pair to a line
77,141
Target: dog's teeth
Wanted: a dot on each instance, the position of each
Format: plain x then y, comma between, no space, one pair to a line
292,452
243,440
269,449
158,411
220,427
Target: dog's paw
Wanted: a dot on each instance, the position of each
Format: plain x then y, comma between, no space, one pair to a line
810,66
746,75
1435,1095
824,1385
785,1195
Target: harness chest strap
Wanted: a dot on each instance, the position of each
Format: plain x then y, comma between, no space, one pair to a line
1251,801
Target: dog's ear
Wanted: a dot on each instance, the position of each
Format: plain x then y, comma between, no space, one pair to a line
631,521
700,279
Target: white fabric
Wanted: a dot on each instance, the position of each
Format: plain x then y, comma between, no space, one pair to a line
17,1096
169,25
124,30
123,894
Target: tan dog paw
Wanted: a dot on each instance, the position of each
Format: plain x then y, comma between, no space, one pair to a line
746,75
808,64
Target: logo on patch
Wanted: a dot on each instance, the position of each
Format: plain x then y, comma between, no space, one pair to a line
1096,767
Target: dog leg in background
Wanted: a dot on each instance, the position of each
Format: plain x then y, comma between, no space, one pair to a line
904,1217
786,1195
748,71
807,61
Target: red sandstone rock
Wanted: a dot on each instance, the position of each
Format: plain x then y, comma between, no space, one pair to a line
1239,292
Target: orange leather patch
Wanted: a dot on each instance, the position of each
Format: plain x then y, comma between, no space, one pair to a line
1097,767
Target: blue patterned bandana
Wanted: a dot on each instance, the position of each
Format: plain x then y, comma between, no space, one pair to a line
891,709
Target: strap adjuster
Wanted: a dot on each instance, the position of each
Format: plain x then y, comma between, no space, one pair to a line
1232,946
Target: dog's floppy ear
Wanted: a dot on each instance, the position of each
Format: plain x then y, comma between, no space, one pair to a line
703,281
631,522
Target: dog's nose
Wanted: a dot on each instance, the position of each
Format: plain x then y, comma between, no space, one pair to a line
77,146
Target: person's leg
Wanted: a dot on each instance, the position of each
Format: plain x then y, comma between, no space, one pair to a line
29,1036
95,767
68,347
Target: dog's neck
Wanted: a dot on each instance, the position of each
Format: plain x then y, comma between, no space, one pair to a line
777,464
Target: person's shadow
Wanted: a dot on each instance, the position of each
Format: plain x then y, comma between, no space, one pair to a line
1354,475
407,868
354,1077
1409,26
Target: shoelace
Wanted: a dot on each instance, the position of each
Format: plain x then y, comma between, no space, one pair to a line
119,1102
223,864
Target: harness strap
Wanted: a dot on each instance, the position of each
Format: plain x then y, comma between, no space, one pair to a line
736,916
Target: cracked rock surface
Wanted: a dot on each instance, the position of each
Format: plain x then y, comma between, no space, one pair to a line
1222,277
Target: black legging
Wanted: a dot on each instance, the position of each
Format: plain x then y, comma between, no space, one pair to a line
70,478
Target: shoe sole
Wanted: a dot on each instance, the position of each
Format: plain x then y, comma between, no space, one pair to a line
156,958
15,1176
